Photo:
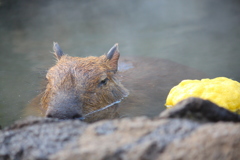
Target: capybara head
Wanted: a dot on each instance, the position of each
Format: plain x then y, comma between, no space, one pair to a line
77,87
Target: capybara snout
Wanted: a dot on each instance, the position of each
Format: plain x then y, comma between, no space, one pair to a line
64,105
80,86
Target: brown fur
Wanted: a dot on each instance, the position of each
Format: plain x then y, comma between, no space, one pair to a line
77,83
148,80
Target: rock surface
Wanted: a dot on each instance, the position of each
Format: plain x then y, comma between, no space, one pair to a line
172,135
200,110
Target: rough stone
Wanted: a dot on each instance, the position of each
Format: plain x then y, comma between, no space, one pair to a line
172,135
219,141
36,138
200,110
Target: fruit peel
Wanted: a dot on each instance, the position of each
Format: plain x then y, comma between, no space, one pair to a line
223,91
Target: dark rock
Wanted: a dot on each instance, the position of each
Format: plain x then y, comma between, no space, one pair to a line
133,139
199,109
220,141
164,137
36,138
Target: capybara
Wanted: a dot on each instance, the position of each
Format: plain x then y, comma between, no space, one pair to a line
91,88
78,87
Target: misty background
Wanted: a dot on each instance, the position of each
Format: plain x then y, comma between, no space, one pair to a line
204,35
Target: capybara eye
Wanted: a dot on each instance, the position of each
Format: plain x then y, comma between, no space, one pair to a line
103,82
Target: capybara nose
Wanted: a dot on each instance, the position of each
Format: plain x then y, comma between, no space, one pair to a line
75,116
55,113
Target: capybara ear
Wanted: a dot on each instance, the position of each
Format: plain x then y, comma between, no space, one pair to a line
57,51
113,56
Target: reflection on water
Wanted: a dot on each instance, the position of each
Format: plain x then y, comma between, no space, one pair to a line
201,34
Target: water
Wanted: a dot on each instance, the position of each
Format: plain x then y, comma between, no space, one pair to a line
200,34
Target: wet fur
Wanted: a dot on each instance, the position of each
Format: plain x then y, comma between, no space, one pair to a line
148,80
76,82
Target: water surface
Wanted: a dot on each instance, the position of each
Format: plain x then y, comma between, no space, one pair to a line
204,35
